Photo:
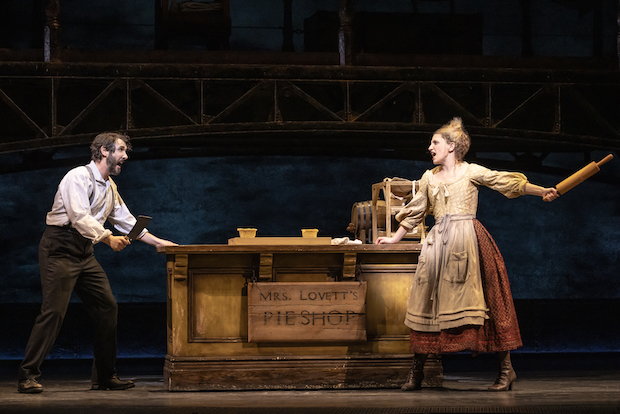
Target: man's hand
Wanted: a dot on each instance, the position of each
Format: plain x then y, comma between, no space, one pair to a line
166,243
153,240
117,243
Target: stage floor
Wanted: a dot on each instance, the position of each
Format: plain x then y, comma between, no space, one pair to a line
568,390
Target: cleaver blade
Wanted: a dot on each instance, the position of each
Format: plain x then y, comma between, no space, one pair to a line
142,222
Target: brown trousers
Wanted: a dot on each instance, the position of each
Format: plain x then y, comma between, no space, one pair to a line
67,263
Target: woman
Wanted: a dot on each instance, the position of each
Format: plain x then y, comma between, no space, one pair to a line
460,298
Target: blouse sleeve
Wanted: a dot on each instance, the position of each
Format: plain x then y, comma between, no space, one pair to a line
414,212
510,184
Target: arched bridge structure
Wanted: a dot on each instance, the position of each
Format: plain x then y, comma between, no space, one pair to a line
213,110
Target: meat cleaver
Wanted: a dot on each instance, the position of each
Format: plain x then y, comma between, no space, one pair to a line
138,227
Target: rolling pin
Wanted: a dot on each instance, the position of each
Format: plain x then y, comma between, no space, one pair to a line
582,175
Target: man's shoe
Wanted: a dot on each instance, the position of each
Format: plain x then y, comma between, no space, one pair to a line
113,384
29,386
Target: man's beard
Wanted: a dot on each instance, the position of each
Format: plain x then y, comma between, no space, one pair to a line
112,163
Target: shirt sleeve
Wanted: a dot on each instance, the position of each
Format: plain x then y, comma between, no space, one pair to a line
74,190
510,184
414,212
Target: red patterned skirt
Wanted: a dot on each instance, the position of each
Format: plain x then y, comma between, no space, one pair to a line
500,332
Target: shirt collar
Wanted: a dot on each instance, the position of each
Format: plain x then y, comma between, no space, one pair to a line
97,173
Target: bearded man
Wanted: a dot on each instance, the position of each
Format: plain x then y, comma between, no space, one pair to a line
86,198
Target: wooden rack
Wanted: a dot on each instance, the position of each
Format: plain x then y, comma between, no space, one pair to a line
397,192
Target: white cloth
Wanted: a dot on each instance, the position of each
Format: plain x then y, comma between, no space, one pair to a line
72,205
344,241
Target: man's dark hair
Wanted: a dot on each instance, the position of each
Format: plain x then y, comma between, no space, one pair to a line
106,140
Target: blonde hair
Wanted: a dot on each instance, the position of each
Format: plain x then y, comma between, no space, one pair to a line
454,132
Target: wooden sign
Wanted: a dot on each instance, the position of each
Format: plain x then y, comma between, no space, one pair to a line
303,312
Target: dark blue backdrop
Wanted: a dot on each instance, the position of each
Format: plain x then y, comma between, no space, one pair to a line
565,249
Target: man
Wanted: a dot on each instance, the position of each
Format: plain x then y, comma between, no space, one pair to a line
85,199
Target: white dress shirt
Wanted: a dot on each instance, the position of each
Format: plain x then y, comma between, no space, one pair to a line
86,207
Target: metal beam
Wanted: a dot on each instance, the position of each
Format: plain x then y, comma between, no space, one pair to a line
238,109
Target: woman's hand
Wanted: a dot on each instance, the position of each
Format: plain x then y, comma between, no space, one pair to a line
385,240
547,194
400,233
550,194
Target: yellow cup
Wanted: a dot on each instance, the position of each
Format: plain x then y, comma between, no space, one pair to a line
309,232
246,233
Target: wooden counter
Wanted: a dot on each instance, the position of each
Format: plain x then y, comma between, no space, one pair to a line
208,346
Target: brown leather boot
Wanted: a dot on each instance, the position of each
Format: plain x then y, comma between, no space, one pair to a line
506,375
416,374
